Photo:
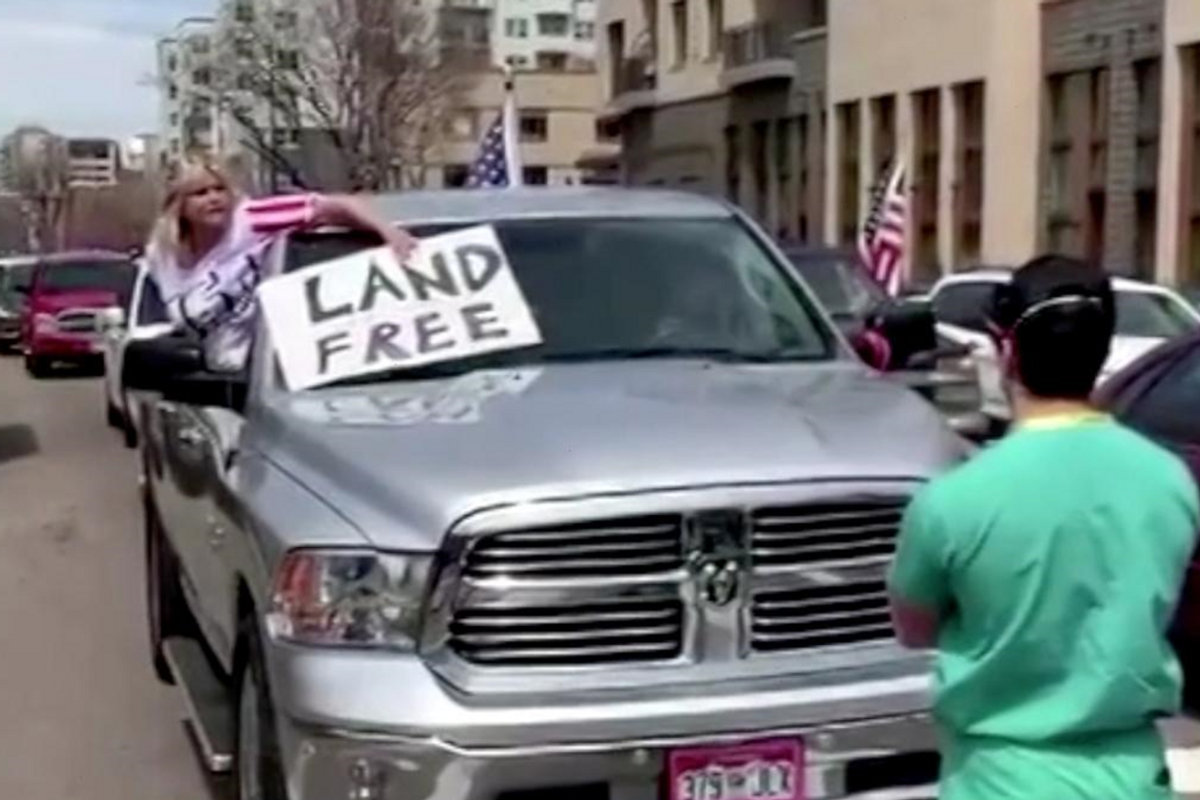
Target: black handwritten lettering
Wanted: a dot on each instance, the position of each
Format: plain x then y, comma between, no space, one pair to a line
381,343
428,328
316,313
482,322
378,281
479,265
327,346
442,280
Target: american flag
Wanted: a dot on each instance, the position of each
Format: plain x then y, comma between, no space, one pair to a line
498,164
490,169
882,243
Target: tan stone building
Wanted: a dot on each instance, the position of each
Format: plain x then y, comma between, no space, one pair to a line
561,137
1025,125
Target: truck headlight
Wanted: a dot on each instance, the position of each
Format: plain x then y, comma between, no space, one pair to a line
348,598
45,323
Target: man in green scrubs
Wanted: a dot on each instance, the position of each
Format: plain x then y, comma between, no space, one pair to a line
1046,570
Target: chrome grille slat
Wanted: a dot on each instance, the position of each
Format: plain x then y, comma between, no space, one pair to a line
816,534
778,518
555,551
808,617
562,635
564,534
644,563
825,532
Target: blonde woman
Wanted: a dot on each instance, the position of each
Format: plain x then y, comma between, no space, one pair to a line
208,248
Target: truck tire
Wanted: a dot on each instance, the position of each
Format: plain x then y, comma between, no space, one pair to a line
258,765
167,612
37,366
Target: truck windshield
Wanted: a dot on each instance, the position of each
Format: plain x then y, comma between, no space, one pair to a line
111,276
622,288
841,285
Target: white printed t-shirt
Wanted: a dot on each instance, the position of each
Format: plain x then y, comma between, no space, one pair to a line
215,298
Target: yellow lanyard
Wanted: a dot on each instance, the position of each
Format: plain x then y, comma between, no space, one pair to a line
1069,419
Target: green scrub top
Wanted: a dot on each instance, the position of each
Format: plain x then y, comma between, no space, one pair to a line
1055,560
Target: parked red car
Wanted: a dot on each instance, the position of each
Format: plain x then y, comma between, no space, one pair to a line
65,296
1159,395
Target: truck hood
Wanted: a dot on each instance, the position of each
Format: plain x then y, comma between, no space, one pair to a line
404,462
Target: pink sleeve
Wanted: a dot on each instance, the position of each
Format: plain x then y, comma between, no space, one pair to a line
269,215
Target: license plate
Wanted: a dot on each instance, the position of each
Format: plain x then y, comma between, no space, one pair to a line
772,770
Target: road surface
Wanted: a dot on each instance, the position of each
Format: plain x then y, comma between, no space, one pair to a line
82,714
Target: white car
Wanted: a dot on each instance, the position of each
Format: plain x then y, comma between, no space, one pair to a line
1147,316
145,318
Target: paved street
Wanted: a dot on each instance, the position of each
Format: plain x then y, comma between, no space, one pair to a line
83,715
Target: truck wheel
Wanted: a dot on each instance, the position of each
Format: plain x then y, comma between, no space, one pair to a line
166,607
37,366
258,765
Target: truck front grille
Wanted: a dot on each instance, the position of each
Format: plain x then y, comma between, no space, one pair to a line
638,589
826,534
563,635
820,616
605,548
77,322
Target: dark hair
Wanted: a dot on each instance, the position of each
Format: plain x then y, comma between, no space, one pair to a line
1058,315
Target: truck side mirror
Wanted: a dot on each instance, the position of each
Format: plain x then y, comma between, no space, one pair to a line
174,367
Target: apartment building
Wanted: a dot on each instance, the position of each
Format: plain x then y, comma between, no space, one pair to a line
545,35
185,79
561,139
93,163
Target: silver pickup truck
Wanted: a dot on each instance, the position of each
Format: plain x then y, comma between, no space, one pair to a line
643,560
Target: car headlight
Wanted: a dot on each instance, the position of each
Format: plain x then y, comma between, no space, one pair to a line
348,598
45,323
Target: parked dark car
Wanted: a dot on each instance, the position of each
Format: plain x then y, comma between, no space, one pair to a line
916,355
1159,395
15,274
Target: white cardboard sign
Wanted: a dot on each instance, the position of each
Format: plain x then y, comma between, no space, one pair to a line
456,297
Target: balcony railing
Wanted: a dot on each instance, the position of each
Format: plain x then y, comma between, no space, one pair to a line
758,42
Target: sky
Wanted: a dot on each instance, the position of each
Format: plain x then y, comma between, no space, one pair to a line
80,67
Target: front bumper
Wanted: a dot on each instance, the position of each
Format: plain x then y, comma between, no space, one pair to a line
876,759
65,346
363,726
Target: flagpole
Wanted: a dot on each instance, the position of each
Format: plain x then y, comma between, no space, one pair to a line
512,141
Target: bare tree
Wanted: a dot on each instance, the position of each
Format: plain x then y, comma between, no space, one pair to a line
368,77
41,181
111,217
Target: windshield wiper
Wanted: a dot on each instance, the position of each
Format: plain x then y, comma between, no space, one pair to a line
723,354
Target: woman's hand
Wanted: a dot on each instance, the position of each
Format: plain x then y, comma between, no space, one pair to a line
353,213
401,241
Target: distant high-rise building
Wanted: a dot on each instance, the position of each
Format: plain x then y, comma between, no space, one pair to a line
92,163
185,81
545,35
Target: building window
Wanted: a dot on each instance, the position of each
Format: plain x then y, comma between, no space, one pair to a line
848,178
883,139
286,20
1148,78
245,81
679,26
1058,163
758,160
243,12
517,61
804,220
536,176
716,27
200,44
927,122
289,60
616,57
243,48
535,126
516,28
173,92
608,130
1191,177
553,24
585,31
733,165
172,63
969,159
202,77
1096,145
455,176
552,62
785,190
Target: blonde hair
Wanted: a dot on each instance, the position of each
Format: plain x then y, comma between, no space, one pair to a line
170,230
